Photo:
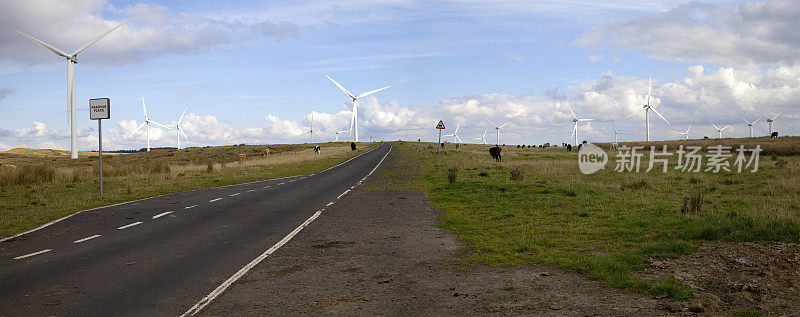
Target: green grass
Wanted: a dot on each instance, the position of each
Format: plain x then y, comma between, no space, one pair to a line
603,225
75,185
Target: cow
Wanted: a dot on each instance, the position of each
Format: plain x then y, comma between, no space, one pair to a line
495,153
546,144
265,152
316,149
774,135
517,145
569,147
242,157
353,146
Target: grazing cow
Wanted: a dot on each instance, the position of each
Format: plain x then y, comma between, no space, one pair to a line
265,152
442,145
774,135
517,145
495,153
242,157
353,146
316,149
569,147
546,144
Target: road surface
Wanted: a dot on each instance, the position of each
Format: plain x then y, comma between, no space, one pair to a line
164,255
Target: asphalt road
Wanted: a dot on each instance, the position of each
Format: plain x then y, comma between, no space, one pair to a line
161,255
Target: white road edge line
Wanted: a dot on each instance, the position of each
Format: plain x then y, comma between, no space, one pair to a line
222,287
130,225
342,194
281,183
32,254
86,239
147,198
216,199
329,204
190,207
162,214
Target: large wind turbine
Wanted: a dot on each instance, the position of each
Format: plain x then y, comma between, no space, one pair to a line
720,130
147,122
483,138
770,119
455,135
72,116
179,130
337,134
615,132
647,109
575,128
750,124
354,120
685,134
498,130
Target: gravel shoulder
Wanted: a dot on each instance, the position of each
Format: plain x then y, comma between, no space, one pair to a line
380,252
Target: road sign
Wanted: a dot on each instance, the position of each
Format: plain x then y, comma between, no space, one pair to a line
440,125
99,108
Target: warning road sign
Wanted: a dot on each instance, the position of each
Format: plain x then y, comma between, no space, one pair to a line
440,125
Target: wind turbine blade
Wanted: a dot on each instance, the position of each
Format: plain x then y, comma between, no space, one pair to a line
144,108
754,122
765,115
459,139
725,127
687,130
458,125
632,114
184,133
161,125
137,129
573,113
582,120
87,44
340,87
778,115
745,120
650,91
615,127
659,115
715,126
492,123
574,128
45,45
504,124
484,132
184,112
371,92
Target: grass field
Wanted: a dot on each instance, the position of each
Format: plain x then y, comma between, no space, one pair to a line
605,224
48,185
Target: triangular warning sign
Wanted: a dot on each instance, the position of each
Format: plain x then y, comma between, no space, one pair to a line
440,125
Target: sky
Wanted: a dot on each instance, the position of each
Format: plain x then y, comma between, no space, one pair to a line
254,71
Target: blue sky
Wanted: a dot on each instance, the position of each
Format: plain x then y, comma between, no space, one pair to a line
253,71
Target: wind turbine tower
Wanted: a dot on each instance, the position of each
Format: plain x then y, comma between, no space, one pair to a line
497,130
72,116
750,125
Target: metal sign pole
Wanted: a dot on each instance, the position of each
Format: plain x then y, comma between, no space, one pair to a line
100,148
440,136
99,109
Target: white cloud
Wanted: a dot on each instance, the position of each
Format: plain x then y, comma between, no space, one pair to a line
752,33
152,30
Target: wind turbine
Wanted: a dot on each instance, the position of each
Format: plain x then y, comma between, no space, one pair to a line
720,130
750,124
769,120
147,122
455,135
498,130
354,121
311,130
483,138
685,134
179,130
615,132
575,128
337,134
72,116
647,109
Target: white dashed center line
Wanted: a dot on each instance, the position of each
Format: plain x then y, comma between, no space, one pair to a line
85,239
213,200
130,225
190,207
162,214
237,194
250,191
265,187
32,254
329,204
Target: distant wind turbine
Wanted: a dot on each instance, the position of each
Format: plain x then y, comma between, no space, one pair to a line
72,116
685,134
147,122
354,121
311,130
179,130
483,138
646,109
337,134
770,120
455,135
615,131
497,128
575,128
720,130
750,125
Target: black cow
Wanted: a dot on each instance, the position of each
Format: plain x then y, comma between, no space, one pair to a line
495,152
353,146
774,135
569,147
316,149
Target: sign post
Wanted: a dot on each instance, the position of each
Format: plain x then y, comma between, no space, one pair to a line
440,127
100,109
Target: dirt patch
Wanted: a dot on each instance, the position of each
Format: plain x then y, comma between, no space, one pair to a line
763,276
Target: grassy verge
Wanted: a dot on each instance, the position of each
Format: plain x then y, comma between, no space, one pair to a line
46,188
606,224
